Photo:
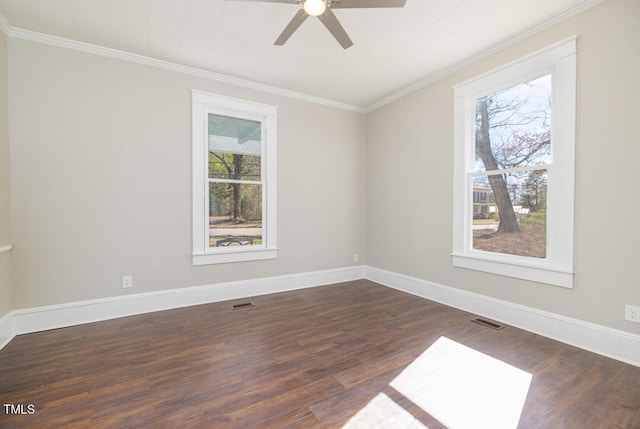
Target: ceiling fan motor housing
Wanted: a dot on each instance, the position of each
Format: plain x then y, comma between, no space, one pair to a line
322,10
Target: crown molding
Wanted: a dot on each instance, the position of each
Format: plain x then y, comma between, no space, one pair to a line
33,36
19,33
496,47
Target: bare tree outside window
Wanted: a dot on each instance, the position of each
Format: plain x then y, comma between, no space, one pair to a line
513,155
235,181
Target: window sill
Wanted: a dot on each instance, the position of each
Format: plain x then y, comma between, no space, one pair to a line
225,257
536,273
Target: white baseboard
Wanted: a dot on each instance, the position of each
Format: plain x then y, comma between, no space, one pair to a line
613,343
77,313
6,330
619,345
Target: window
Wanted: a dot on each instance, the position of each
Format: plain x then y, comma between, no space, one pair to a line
514,142
234,179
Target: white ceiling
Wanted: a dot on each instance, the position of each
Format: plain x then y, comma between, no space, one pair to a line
393,48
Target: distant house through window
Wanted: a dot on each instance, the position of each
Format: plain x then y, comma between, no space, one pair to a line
514,167
513,151
483,206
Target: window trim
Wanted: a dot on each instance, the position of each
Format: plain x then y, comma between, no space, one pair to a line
204,103
557,268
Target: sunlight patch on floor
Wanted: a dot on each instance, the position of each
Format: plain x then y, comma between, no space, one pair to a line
383,413
463,388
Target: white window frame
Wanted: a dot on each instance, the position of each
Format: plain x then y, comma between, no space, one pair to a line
557,267
203,104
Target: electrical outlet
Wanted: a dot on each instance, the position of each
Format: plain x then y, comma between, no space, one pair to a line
632,313
355,257
127,281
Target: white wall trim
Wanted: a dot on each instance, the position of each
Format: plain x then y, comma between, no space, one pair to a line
75,313
33,36
613,343
511,40
19,33
6,330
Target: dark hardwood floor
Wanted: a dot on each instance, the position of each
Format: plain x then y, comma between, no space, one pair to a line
302,359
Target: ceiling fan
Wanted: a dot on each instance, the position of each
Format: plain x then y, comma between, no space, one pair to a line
322,9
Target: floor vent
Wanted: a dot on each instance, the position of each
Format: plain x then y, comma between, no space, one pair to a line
243,305
488,323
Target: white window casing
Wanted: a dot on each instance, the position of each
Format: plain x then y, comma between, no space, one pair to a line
556,268
203,104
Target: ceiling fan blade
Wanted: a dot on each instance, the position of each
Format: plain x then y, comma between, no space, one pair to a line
293,25
344,4
333,25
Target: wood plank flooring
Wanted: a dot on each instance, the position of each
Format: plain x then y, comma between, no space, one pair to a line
302,359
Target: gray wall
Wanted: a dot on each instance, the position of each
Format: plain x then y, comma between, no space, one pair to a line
101,177
5,235
410,161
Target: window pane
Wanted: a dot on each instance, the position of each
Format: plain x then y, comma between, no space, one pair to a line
513,126
234,148
510,213
235,214
225,165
